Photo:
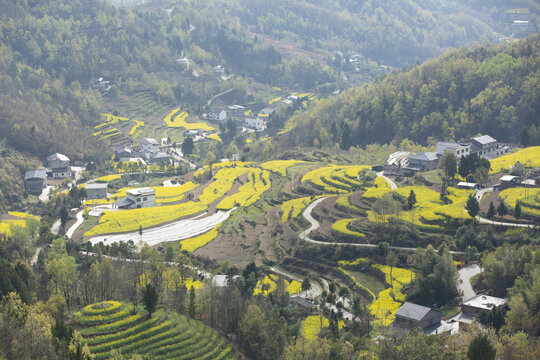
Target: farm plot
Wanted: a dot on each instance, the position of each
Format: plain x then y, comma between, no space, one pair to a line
313,324
269,285
530,157
280,166
163,336
291,209
15,218
335,178
177,118
258,182
429,211
342,227
389,300
528,198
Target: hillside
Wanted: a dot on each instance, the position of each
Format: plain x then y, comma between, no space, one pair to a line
491,89
113,326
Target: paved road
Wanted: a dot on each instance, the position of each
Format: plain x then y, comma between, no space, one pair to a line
503,223
78,223
304,235
393,185
178,230
34,259
465,275
314,291
55,228
480,193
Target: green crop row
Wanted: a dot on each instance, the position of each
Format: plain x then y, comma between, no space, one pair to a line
116,344
183,337
183,346
128,332
102,319
129,321
102,308
187,351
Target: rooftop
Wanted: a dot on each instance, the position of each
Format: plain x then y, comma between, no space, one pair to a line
96,186
484,139
141,191
148,141
485,302
32,174
467,184
508,178
57,156
413,311
429,156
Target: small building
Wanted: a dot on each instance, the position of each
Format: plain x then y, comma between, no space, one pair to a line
459,150
137,198
149,144
217,115
236,111
96,191
267,111
485,146
424,161
220,281
61,172
257,123
467,185
57,160
480,303
160,157
411,315
219,70
35,181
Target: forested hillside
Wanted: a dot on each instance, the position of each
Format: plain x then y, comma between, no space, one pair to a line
493,89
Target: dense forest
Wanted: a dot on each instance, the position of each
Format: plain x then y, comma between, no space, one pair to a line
490,89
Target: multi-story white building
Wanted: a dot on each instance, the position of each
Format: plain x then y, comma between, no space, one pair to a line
460,150
137,198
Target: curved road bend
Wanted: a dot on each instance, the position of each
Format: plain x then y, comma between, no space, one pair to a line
304,235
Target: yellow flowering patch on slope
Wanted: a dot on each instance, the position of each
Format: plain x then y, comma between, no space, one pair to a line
529,199
109,178
22,215
179,120
312,325
215,137
293,286
138,124
280,166
341,226
530,157
258,182
389,300
334,178
192,244
292,208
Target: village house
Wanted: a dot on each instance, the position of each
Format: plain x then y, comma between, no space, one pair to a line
137,198
428,320
257,124
217,115
57,160
459,150
423,161
480,303
35,181
236,111
485,146
96,191
160,157
61,172
152,145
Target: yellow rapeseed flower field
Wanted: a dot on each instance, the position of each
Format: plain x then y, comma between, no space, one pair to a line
280,166
313,324
109,178
341,226
389,300
179,120
333,178
258,182
137,125
529,157
529,199
292,208
293,286
192,244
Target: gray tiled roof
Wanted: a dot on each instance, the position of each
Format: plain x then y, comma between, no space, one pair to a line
424,156
484,139
32,174
413,311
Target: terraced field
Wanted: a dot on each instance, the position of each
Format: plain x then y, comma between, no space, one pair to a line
335,179
111,325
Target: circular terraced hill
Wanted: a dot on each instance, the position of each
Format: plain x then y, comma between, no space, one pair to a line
112,325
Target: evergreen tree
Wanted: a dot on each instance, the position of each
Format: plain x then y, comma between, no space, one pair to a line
481,348
150,298
191,310
491,211
517,211
502,210
472,206
411,200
